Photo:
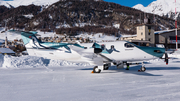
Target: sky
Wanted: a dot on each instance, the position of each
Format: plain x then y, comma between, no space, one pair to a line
131,3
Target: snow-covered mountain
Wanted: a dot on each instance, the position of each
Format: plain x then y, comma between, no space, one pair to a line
16,3
160,7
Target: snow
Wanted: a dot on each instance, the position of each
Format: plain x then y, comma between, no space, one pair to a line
6,50
98,37
160,7
128,36
31,79
34,62
116,26
29,16
16,3
163,31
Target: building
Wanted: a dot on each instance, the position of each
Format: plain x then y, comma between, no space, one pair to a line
144,37
168,37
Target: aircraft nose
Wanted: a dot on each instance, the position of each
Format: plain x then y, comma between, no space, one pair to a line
154,51
159,52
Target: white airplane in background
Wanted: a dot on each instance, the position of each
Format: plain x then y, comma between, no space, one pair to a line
101,55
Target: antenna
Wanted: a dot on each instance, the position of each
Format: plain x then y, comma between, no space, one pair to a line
176,27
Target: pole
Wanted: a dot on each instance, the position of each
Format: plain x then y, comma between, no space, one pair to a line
176,27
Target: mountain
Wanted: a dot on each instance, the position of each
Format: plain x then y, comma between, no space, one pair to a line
161,7
17,3
80,16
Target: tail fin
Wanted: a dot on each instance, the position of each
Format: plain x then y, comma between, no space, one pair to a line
27,36
30,40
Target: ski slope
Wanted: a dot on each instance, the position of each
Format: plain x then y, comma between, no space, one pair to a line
37,79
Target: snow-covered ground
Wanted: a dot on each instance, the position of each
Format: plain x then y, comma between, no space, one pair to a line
29,78
37,79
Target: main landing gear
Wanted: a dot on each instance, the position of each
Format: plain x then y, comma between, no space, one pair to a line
106,66
96,70
142,69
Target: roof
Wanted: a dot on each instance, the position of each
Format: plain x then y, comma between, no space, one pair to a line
127,36
145,24
1,41
164,31
144,41
6,50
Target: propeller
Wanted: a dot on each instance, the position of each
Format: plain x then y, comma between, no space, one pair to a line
166,59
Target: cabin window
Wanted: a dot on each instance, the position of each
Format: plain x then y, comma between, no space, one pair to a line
128,45
149,33
141,33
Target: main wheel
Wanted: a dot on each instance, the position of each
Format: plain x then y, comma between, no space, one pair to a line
143,69
105,67
96,69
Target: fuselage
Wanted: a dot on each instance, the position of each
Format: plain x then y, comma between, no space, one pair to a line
123,51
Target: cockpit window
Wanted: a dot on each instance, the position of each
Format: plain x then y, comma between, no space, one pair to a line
128,45
103,46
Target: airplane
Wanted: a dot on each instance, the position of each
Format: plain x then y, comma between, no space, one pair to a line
100,55
119,53
49,50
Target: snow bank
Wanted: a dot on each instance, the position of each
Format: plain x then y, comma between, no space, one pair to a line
23,62
33,62
1,60
65,63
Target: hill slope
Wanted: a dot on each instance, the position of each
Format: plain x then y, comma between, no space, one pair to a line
161,7
77,16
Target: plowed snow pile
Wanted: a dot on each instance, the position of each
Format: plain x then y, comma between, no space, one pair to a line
33,62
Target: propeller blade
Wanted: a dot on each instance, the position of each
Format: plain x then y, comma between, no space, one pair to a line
166,58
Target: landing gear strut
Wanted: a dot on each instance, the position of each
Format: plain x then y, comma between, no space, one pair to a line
127,64
106,66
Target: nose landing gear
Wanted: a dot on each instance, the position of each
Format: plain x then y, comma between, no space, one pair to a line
142,69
